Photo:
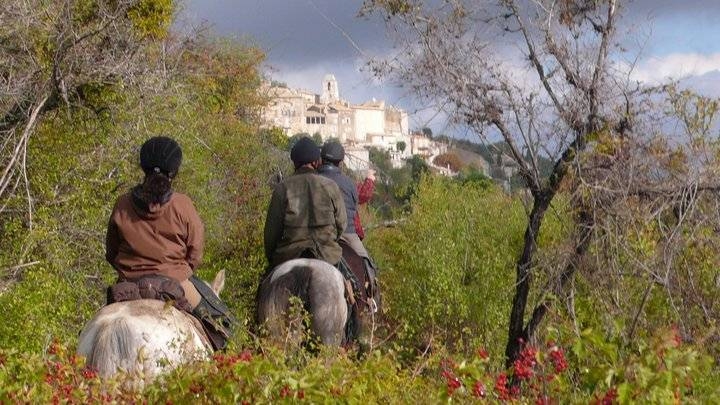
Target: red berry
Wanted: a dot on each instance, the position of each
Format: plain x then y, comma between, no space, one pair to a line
245,356
479,389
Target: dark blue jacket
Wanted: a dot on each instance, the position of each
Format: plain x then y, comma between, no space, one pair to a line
348,190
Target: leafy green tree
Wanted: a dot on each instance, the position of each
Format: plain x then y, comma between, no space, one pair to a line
52,270
66,53
451,55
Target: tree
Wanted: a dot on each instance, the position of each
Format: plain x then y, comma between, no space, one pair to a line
449,160
64,53
575,94
401,146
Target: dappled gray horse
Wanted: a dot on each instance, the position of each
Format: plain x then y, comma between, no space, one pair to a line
321,289
144,338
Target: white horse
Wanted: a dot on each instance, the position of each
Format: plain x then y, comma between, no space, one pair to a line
321,288
144,338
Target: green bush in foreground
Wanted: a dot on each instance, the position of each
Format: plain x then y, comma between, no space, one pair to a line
448,270
588,371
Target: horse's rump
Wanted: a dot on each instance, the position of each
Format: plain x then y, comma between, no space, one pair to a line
319,286
142,338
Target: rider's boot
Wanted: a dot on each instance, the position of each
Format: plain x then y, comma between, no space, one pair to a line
218,327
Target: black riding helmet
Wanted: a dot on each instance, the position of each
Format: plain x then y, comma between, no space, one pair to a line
332,151
161,154
304,151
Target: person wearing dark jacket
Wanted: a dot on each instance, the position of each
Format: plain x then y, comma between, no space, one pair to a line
155,231
332,155
306,215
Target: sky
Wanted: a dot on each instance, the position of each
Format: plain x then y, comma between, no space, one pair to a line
306,39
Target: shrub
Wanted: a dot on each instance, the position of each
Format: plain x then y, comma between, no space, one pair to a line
448,270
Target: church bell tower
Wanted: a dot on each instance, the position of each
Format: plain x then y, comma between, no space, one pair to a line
330,91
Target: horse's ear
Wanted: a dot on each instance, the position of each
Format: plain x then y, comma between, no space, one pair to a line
219,282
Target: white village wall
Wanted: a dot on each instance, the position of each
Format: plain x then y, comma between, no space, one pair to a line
368,121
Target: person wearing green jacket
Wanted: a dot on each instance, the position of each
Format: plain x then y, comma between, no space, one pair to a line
307,215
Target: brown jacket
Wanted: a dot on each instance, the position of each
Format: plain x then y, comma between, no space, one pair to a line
306,212
162,239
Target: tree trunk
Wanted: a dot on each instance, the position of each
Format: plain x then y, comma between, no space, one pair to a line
584,227
523,278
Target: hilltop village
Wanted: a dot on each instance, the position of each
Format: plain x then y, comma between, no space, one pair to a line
359,127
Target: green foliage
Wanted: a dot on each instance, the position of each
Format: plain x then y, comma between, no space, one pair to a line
447,267
658,370
473,175
228,378
152,18
448,270
81,161
590,372
397,185
276,136
27,326
224,73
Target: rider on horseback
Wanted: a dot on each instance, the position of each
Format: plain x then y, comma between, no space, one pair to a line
332,155
155,242
306,216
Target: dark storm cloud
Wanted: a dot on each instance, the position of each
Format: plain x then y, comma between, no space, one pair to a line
293,31
305,34
305,39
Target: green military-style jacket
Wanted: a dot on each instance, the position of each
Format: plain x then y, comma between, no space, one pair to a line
306,212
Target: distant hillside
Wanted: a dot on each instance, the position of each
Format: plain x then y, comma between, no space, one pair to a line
471,159
489,156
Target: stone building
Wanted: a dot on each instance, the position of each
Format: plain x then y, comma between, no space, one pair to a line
357,126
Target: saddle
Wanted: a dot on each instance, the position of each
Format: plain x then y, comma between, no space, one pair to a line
155,287
213,314
363,277
218,323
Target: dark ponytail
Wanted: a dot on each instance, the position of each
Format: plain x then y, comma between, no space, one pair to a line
156,188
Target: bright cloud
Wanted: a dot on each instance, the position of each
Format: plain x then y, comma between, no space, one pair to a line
675,66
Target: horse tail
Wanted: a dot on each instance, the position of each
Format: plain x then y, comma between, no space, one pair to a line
112,347
274,294
327,304
321,290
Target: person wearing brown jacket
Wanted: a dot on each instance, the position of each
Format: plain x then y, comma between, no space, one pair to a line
155,231
306,216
